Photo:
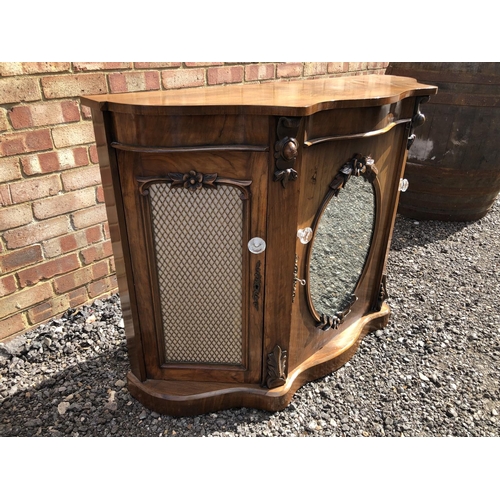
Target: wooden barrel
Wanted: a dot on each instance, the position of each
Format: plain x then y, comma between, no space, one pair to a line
453,167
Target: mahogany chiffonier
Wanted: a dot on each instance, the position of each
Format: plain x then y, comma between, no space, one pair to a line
250,228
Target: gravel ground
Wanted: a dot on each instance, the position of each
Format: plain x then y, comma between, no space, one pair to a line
434,371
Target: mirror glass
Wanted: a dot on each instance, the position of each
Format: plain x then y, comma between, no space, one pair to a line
340,246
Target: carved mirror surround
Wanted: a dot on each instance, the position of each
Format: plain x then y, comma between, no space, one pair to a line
343,230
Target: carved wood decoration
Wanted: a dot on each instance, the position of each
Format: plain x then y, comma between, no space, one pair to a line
326,322
358,165
193,181
257,281
417,120
382,294
276,368
286,150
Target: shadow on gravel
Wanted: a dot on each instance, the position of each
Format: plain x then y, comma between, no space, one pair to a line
412,233
91,399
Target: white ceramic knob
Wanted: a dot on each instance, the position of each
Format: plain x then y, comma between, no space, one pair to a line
256,245
305,235
403,184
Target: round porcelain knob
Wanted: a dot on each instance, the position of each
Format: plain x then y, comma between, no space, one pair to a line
304,235
403,184
256,245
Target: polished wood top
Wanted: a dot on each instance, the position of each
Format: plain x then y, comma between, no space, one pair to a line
288,98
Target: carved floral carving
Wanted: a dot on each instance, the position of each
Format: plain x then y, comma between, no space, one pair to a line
257,280
276,368
357,165
417,120
286,150
326,322
193,181
382,294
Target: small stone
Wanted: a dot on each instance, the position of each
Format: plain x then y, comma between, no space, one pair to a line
111,406
120,383
423,377
90,319
63,407
451,412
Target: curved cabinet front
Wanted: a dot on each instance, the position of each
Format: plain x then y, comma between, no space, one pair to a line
251,231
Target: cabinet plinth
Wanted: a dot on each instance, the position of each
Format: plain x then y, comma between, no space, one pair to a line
250,228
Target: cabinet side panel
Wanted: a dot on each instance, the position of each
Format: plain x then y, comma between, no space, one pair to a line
118,231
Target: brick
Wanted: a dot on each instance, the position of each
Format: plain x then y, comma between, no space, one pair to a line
78,297
8,285
24,299
94,157
48,269
64,203
69,242
9,169
196,64
259,72
134,81
5,196
357,66
73,280
183,78
49,309
73,85
315,68
14,90
100,194
36,232
25,142
99,66
4,123
81,178
104,286
338,67
15,216
31,68
33,189
289,70
62,244
71,135
47,113
12,325
53,161
377,65
89,216
96,252
151,65
93,234
100,269
226,74
20,258
86,112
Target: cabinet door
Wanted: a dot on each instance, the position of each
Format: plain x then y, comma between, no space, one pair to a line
199,289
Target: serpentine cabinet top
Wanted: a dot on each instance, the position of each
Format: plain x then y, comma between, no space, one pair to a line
290,98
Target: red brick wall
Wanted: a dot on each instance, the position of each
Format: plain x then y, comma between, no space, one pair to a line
55,251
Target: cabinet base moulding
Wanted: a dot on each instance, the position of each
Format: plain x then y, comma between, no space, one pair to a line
188,398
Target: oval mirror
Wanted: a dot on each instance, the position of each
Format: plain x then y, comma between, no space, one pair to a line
340,246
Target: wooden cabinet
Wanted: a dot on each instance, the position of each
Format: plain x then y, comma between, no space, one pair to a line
250,227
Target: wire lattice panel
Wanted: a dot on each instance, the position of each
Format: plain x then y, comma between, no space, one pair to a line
198,238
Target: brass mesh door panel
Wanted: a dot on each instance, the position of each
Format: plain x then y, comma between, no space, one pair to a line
198,241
